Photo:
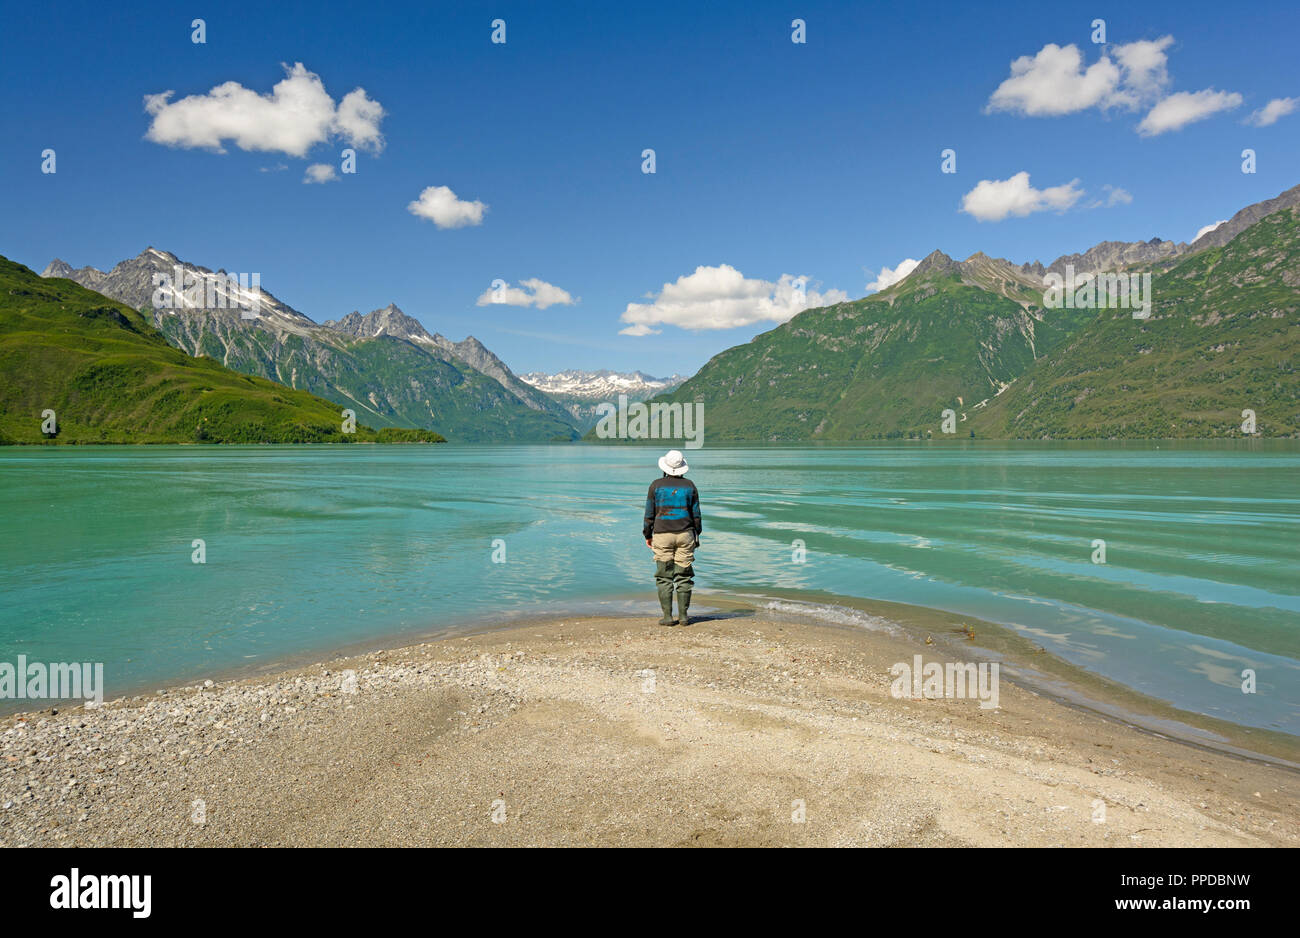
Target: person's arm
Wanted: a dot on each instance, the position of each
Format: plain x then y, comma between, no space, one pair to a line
648,520
696,520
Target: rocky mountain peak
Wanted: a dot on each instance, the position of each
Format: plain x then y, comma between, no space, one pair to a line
57,268
990,273
199,291
389,321
938,262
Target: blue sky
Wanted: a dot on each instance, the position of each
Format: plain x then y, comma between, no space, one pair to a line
818,160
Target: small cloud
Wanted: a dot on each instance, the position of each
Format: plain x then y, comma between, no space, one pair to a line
531,292
1146,71
295,116
320,172
1114,196
724,298
277,168
1117,196
439,205
1186,107
994,200
1208,228
1270,113
887,277
357,120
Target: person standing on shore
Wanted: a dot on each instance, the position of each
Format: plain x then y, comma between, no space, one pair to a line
671,528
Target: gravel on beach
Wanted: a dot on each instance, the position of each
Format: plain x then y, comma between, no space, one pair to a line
613,731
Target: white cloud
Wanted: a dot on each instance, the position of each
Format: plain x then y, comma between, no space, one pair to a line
1269,113
297,115
887,277
1054,82
723,298
1208,228
440,205
1134,75
1186,107
531,292
320,172
994,200
357,119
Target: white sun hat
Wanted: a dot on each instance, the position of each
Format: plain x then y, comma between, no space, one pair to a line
673,463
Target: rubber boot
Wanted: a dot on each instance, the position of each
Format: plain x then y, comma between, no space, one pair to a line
684,580
664,573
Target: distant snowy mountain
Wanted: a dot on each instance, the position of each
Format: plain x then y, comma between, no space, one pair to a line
601,385
581,392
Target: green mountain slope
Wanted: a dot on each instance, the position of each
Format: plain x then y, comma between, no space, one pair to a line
111,377
947,336
1223,337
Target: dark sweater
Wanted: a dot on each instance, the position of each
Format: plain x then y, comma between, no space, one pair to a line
672,504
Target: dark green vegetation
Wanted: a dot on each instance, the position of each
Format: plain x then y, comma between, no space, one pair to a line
974,337
111,377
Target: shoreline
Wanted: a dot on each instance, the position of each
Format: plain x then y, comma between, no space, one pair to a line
614,731
1022,661
1049,675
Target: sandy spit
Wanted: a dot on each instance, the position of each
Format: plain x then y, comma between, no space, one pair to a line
752,730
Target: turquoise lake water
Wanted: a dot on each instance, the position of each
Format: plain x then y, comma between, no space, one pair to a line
310,549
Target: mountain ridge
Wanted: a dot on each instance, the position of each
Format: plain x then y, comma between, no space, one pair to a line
1111,256
391,321
954,336
396,375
